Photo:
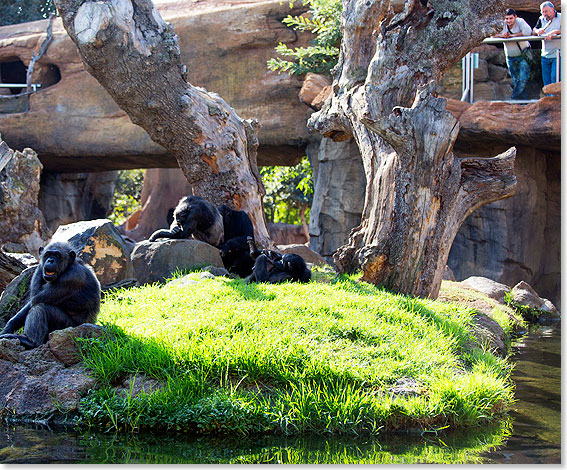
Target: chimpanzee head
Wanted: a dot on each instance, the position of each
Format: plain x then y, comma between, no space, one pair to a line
56,258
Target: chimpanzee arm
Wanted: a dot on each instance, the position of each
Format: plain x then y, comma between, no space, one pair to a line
18,320
174,232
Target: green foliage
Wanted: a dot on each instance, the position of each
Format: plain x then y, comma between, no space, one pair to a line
291,358
289,192
528,313
323,20
127,193
21,11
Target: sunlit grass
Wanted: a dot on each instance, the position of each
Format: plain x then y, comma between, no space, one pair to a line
292,358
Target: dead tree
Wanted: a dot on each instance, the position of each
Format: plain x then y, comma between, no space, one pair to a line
134,54
418,192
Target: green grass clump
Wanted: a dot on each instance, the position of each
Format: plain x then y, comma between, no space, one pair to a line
292,358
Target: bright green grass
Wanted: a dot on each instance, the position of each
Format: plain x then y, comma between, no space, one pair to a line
290,358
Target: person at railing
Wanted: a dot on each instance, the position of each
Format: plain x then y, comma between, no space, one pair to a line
516,52
549,25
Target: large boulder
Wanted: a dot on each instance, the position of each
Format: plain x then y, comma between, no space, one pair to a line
287,234
22,225
157,261
99,245
492,289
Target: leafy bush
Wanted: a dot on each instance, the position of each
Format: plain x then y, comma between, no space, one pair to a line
323,20
127,194
289,192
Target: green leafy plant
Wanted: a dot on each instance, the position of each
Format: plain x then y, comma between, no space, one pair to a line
289,192
527,312
323,20
127,194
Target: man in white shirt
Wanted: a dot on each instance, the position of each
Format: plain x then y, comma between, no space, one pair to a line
549,25
516,52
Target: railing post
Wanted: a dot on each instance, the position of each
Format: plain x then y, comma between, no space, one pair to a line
558,65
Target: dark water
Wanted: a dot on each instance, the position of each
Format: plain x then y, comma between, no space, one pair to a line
532,436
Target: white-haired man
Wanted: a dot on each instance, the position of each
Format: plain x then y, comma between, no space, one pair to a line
549,25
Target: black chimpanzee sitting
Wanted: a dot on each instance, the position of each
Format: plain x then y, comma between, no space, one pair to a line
220,226
63,292
273,267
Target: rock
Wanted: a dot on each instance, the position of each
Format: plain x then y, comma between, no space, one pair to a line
523,294
487,123
312,86
287,234
10,267
66,198
15,296
99,245
157,261
26,259
10,349
338,197
216,271
305,252
21,221
407,386
161,191
320,99
35,385
553,89
448,274
139,383
489,334
62,342
492,289
78,127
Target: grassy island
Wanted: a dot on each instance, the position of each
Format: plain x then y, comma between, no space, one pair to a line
325,357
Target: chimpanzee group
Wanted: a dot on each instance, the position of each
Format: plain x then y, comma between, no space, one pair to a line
65,292
232,232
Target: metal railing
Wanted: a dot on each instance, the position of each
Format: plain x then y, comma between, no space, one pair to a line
470,62
34,86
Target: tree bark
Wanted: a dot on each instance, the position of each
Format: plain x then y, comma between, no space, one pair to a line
385,95
135,56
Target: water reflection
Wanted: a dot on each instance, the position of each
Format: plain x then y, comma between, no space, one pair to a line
28,445
533,437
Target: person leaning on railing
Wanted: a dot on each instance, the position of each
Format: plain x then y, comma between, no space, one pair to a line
516,52
549,25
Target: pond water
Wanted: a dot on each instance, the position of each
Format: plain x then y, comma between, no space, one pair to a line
532,436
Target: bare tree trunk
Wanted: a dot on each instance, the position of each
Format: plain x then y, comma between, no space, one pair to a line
135,56
385,95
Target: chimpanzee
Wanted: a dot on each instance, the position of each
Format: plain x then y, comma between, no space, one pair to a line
63,292
271,266
197,217
234,251
220,226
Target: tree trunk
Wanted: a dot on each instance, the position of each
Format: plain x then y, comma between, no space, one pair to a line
385,95
135,56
